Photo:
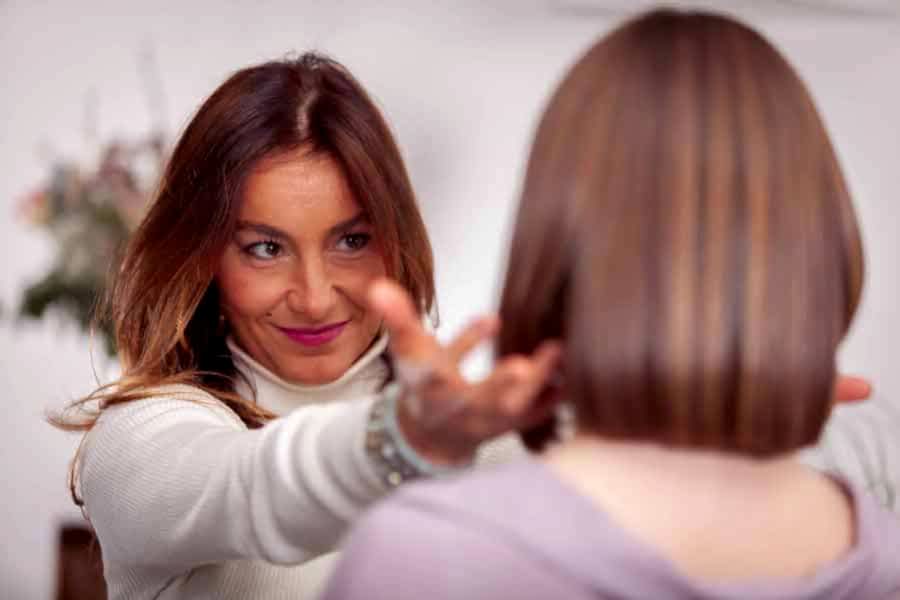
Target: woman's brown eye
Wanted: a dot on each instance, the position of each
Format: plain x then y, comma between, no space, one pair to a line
355,241
264,250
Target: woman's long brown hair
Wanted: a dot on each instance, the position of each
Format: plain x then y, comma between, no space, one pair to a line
686,229
163,301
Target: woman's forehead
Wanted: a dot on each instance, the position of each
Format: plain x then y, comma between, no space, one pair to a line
303,193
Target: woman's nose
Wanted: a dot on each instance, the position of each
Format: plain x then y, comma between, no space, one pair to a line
311,293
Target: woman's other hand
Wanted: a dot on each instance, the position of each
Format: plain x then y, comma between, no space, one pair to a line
851,389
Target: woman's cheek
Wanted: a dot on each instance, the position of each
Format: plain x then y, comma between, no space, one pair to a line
359,276
252,291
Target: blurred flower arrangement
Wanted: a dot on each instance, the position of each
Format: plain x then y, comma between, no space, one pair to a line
89,214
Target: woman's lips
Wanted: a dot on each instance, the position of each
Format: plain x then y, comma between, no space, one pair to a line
315,336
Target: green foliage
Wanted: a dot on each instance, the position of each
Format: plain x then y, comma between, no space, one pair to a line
90,217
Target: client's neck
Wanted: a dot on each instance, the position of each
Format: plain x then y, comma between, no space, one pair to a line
666,462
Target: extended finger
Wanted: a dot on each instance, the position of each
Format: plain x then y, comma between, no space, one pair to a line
851,389
529,378
475,333
547,360
409,339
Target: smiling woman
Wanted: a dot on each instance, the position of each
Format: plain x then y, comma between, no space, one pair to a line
294,279
258,412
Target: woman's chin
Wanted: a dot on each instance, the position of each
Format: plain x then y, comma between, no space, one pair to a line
313,375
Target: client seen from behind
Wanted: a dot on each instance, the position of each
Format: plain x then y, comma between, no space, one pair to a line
685,230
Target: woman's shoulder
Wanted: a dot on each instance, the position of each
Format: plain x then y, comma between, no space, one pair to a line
877,537
492,523
167,404
458,514
128,433
474,498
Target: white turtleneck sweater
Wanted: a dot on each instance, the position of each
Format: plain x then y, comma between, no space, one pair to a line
188,503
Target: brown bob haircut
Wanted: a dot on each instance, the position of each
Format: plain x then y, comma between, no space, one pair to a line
686,230
164,303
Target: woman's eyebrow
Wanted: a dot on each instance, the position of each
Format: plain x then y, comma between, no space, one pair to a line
275,233
343,226
266,230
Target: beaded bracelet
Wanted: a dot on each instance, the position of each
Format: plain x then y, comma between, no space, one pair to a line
394,459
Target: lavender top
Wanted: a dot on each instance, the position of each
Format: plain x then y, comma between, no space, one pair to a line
517,531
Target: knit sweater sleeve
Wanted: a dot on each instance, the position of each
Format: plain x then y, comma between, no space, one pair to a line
176,480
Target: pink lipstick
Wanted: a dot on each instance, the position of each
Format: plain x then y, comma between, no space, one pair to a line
315,336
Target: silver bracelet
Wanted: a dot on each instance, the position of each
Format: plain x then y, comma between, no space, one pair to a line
394,459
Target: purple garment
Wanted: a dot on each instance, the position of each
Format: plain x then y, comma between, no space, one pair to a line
518,532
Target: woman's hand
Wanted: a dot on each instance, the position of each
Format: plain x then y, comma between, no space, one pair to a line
851,389
444,416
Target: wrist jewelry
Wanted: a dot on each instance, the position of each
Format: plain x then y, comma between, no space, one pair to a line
394,459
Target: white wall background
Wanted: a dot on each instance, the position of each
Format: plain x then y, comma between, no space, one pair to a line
461,82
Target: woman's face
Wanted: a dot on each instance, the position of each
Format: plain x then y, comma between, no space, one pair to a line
293,279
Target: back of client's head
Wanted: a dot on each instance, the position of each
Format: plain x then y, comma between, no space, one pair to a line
686,230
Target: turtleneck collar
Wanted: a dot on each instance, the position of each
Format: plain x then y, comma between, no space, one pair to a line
363,377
